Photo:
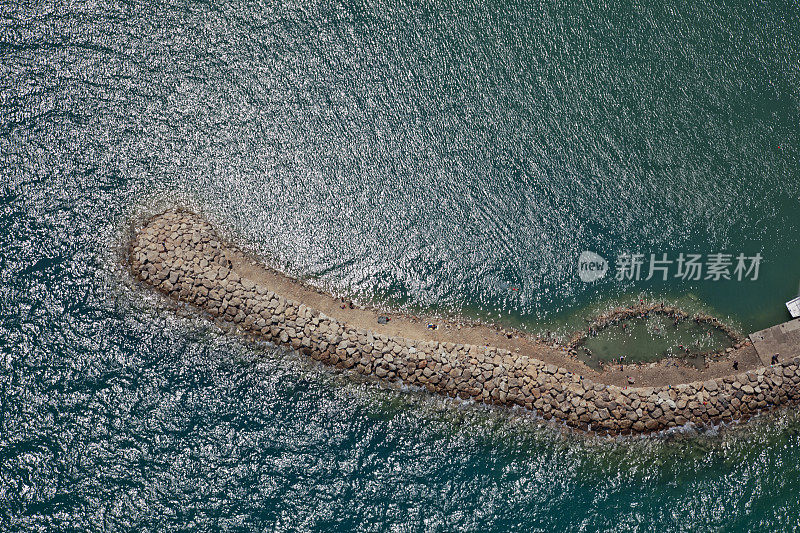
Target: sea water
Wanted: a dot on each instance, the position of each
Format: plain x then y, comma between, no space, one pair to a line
442,157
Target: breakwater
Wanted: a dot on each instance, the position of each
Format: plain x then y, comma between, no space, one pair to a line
181,255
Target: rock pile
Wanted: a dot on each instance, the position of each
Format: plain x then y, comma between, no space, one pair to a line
180,254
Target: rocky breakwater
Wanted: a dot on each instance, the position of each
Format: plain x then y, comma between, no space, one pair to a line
180,254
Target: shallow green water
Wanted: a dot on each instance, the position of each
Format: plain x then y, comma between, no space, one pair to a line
653,338
434,155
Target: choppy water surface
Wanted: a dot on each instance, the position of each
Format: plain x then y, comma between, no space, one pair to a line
453,157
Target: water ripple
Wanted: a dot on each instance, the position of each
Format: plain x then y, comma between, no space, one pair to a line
430,156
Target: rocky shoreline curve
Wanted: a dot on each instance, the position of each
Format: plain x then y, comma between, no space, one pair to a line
179,254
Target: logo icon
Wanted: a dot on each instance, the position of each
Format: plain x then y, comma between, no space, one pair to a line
591,267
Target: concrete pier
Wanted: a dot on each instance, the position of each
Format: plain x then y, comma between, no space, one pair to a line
782,340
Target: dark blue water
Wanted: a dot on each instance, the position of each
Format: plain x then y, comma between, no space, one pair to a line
428,155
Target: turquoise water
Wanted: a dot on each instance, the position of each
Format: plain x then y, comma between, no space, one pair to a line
434,156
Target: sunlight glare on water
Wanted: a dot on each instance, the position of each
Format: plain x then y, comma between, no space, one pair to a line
428,156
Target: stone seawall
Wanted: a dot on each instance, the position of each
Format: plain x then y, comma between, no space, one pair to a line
180,254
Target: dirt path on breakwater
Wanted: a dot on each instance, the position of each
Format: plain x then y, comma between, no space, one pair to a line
180,254
469,332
